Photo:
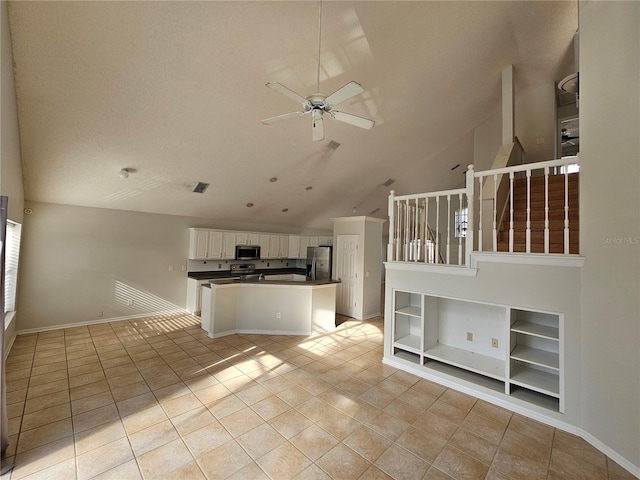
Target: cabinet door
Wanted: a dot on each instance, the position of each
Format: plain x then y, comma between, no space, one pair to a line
325,240
304,243
274,246
199,244
254,239
314,241
263,241
216,241
242,238
284,246
294,246
229,245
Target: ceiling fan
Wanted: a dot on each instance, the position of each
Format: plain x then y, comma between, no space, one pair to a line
317,104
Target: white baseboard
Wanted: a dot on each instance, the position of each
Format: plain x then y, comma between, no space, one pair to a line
102,320
535,415
8,349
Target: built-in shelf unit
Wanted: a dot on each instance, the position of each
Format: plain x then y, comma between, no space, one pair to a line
511,350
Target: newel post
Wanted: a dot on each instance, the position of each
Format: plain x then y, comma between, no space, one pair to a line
392,227
470,215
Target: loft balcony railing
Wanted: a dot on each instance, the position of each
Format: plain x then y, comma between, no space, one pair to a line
446,227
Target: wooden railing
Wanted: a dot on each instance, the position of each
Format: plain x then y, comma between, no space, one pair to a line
441,227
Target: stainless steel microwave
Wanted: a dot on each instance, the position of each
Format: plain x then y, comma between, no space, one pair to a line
247,252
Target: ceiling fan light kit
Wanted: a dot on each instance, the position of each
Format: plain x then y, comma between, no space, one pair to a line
318,104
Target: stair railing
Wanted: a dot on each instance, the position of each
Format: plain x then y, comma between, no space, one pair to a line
529,170
428,227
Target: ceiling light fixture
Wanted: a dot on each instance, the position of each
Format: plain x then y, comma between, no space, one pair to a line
273,179
284,210
249,205
309,188
124,173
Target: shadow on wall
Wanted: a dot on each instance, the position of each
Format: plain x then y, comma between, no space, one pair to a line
141,301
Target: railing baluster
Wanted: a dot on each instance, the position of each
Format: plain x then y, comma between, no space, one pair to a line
566,212
427,252
495,213
392,226
480,205
437,251
528,234
468,242
448,262
399,226
511,175
546,210
415,233
406,231
460,228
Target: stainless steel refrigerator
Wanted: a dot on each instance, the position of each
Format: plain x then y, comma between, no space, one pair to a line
318,263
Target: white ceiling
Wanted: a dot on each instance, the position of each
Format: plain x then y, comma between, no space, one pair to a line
176,90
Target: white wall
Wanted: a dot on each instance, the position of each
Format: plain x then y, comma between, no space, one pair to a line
77,261
609,222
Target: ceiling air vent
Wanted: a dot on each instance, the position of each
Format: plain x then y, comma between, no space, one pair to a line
201,187
389,182
333,145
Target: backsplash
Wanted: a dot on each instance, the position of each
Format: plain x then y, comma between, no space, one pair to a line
221,265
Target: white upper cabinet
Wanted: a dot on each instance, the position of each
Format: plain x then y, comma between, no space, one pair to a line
304,243
229,251
254,239
264,242
274,246
284,246
207,244
294,246
242,238
325,240
199,244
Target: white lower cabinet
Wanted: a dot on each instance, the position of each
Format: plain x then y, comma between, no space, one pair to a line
510,350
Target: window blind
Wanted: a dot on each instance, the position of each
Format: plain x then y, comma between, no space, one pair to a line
12,255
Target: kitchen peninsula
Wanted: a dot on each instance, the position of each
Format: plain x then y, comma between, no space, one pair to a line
268,306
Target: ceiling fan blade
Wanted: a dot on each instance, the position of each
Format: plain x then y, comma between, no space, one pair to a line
351,89
353,119
279,118
278,87
318,126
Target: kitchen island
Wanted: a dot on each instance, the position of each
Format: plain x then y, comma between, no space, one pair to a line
273,306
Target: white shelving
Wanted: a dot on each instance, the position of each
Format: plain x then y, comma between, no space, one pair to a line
408,324
513,351
535,358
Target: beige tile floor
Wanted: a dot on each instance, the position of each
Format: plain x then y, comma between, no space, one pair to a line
156,398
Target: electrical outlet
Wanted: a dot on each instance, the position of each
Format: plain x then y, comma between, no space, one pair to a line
130,302
219,266
99,315
171,268
469,336
494,342
278,315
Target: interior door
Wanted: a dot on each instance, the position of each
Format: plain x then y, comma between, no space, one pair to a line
347,266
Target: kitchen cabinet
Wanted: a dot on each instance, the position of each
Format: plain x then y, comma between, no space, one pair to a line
294,246
284,246
205,244
274,246
314,241
264,241
246,238
324,240
304,243
229,250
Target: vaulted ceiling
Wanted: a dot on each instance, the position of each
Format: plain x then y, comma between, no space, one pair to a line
175,91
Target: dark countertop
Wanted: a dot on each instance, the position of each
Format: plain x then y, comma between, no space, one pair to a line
212,275
255,281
